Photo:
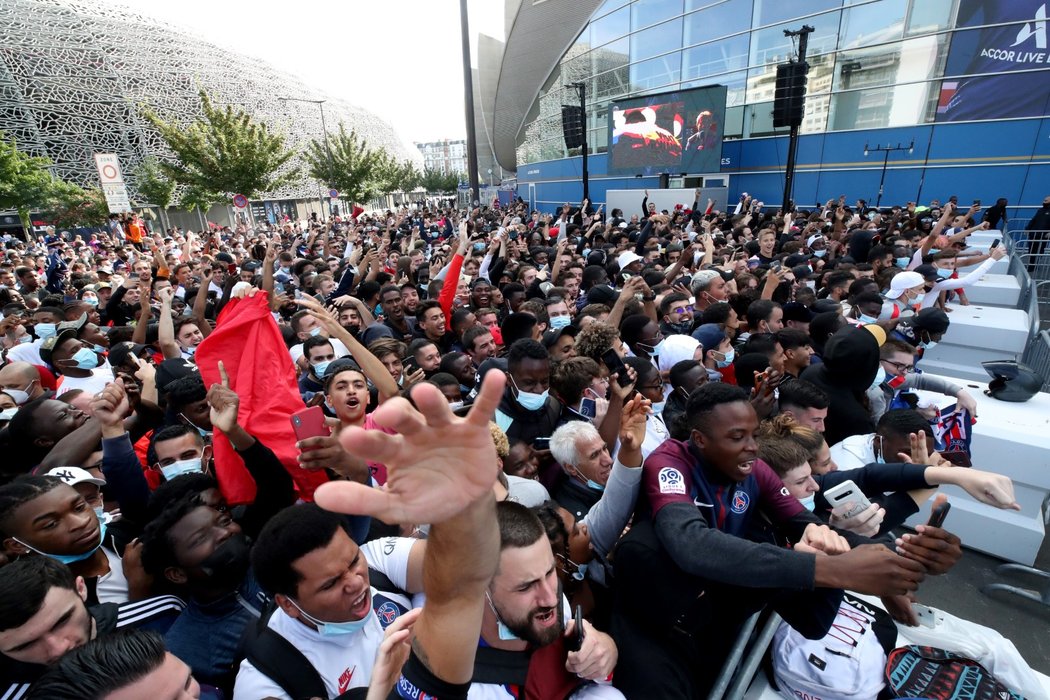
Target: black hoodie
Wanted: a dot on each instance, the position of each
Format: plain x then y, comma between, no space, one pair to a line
851,361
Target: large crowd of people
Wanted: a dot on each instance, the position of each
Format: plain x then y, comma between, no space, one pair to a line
487,453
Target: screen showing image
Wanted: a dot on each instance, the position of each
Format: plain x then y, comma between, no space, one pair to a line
676,132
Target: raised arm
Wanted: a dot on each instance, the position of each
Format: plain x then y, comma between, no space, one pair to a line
442,469
165,326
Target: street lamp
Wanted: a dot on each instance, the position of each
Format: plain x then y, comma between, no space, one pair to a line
490,177
324,131
886,150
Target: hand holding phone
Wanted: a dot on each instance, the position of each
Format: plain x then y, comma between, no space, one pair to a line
574,642
939,513
309,423
846,499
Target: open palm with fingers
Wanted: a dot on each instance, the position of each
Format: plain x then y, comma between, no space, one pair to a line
437,463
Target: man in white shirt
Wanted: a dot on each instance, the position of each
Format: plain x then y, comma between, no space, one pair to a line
306,326
76,362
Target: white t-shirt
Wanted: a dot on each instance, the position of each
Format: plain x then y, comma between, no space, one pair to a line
112,587
343,661
98,380
26,352
296,351
853,452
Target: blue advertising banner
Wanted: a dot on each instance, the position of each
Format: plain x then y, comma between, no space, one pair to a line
1006,52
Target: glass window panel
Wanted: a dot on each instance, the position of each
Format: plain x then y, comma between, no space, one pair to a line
610,56
611,84
717,21
656,40
816,115
874,23
609,5
873,108
929,16
758,120
645,13
734,127
773,11
771,46
612,26
912,60
734,82
716,57
691,5
662,72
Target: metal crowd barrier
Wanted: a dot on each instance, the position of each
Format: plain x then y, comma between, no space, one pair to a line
745,657
1037,356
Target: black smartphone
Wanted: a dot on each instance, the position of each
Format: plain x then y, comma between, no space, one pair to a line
575,642
939,514
613,362
541,443
995,244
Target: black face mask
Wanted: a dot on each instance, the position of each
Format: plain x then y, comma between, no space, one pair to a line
228,564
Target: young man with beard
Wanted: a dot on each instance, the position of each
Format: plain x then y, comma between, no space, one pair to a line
44,615
699,549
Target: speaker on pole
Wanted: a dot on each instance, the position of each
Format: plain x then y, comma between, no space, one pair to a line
789,99
572,125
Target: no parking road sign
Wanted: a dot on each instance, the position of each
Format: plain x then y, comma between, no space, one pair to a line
334,194
240,201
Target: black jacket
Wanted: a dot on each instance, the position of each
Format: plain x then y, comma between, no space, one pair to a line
850,363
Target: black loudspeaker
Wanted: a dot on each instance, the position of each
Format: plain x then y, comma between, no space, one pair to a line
665,181
572,125
789,100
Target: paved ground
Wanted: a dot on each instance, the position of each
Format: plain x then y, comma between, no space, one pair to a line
1026,624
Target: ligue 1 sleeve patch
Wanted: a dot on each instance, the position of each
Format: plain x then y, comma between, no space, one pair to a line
671,481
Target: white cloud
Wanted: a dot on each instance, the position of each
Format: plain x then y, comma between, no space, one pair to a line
400,59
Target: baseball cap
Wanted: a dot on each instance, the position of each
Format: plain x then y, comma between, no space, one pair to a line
602,294
902,281
76,324
929,272
75,475
172,369
120,352
794,311
627,257
54,341
932,320
877,331
550,337
815,238
710,336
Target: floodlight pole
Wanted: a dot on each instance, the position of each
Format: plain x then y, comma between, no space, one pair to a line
789,173
886,150
468,100
581,88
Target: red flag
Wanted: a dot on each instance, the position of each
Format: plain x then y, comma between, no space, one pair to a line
248,342
356,212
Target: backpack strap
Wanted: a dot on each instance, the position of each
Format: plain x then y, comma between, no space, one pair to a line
279,660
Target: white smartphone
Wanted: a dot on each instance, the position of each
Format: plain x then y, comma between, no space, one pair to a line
927,615
847,492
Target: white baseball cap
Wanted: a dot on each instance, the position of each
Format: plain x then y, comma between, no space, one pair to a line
75,475
904,280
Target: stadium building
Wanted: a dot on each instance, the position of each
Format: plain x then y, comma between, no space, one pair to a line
961,85
73,74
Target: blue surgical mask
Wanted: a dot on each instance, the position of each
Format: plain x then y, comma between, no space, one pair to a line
658,407
944,273
455,405
505,634
98,349
902,263
23,340
928,344
332,629
919,299
809,502
183,466
320,367
729,357
529,400
316,331
866,319
559,322
73,558
203,433
820,253
880,377
85,358
934,251
46,330
90,301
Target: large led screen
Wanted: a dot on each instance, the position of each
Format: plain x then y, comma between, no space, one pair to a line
674,132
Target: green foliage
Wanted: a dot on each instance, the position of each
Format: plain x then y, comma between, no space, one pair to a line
436,181
25,181
399,177
72,207
354,168
152,184
225,152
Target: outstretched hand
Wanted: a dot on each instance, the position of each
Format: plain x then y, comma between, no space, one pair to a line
438,464
224,403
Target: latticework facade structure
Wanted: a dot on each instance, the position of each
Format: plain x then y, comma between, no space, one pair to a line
75,73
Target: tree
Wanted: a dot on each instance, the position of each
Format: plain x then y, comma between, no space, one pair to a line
72,207
223,153
354,169
157,189
25,181
436,181
398,177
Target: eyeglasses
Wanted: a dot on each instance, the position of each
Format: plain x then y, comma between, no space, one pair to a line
900,367
650,387
682,310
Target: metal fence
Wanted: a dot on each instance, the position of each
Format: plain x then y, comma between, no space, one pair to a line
1037,356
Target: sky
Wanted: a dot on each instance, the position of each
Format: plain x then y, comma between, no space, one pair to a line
400,59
